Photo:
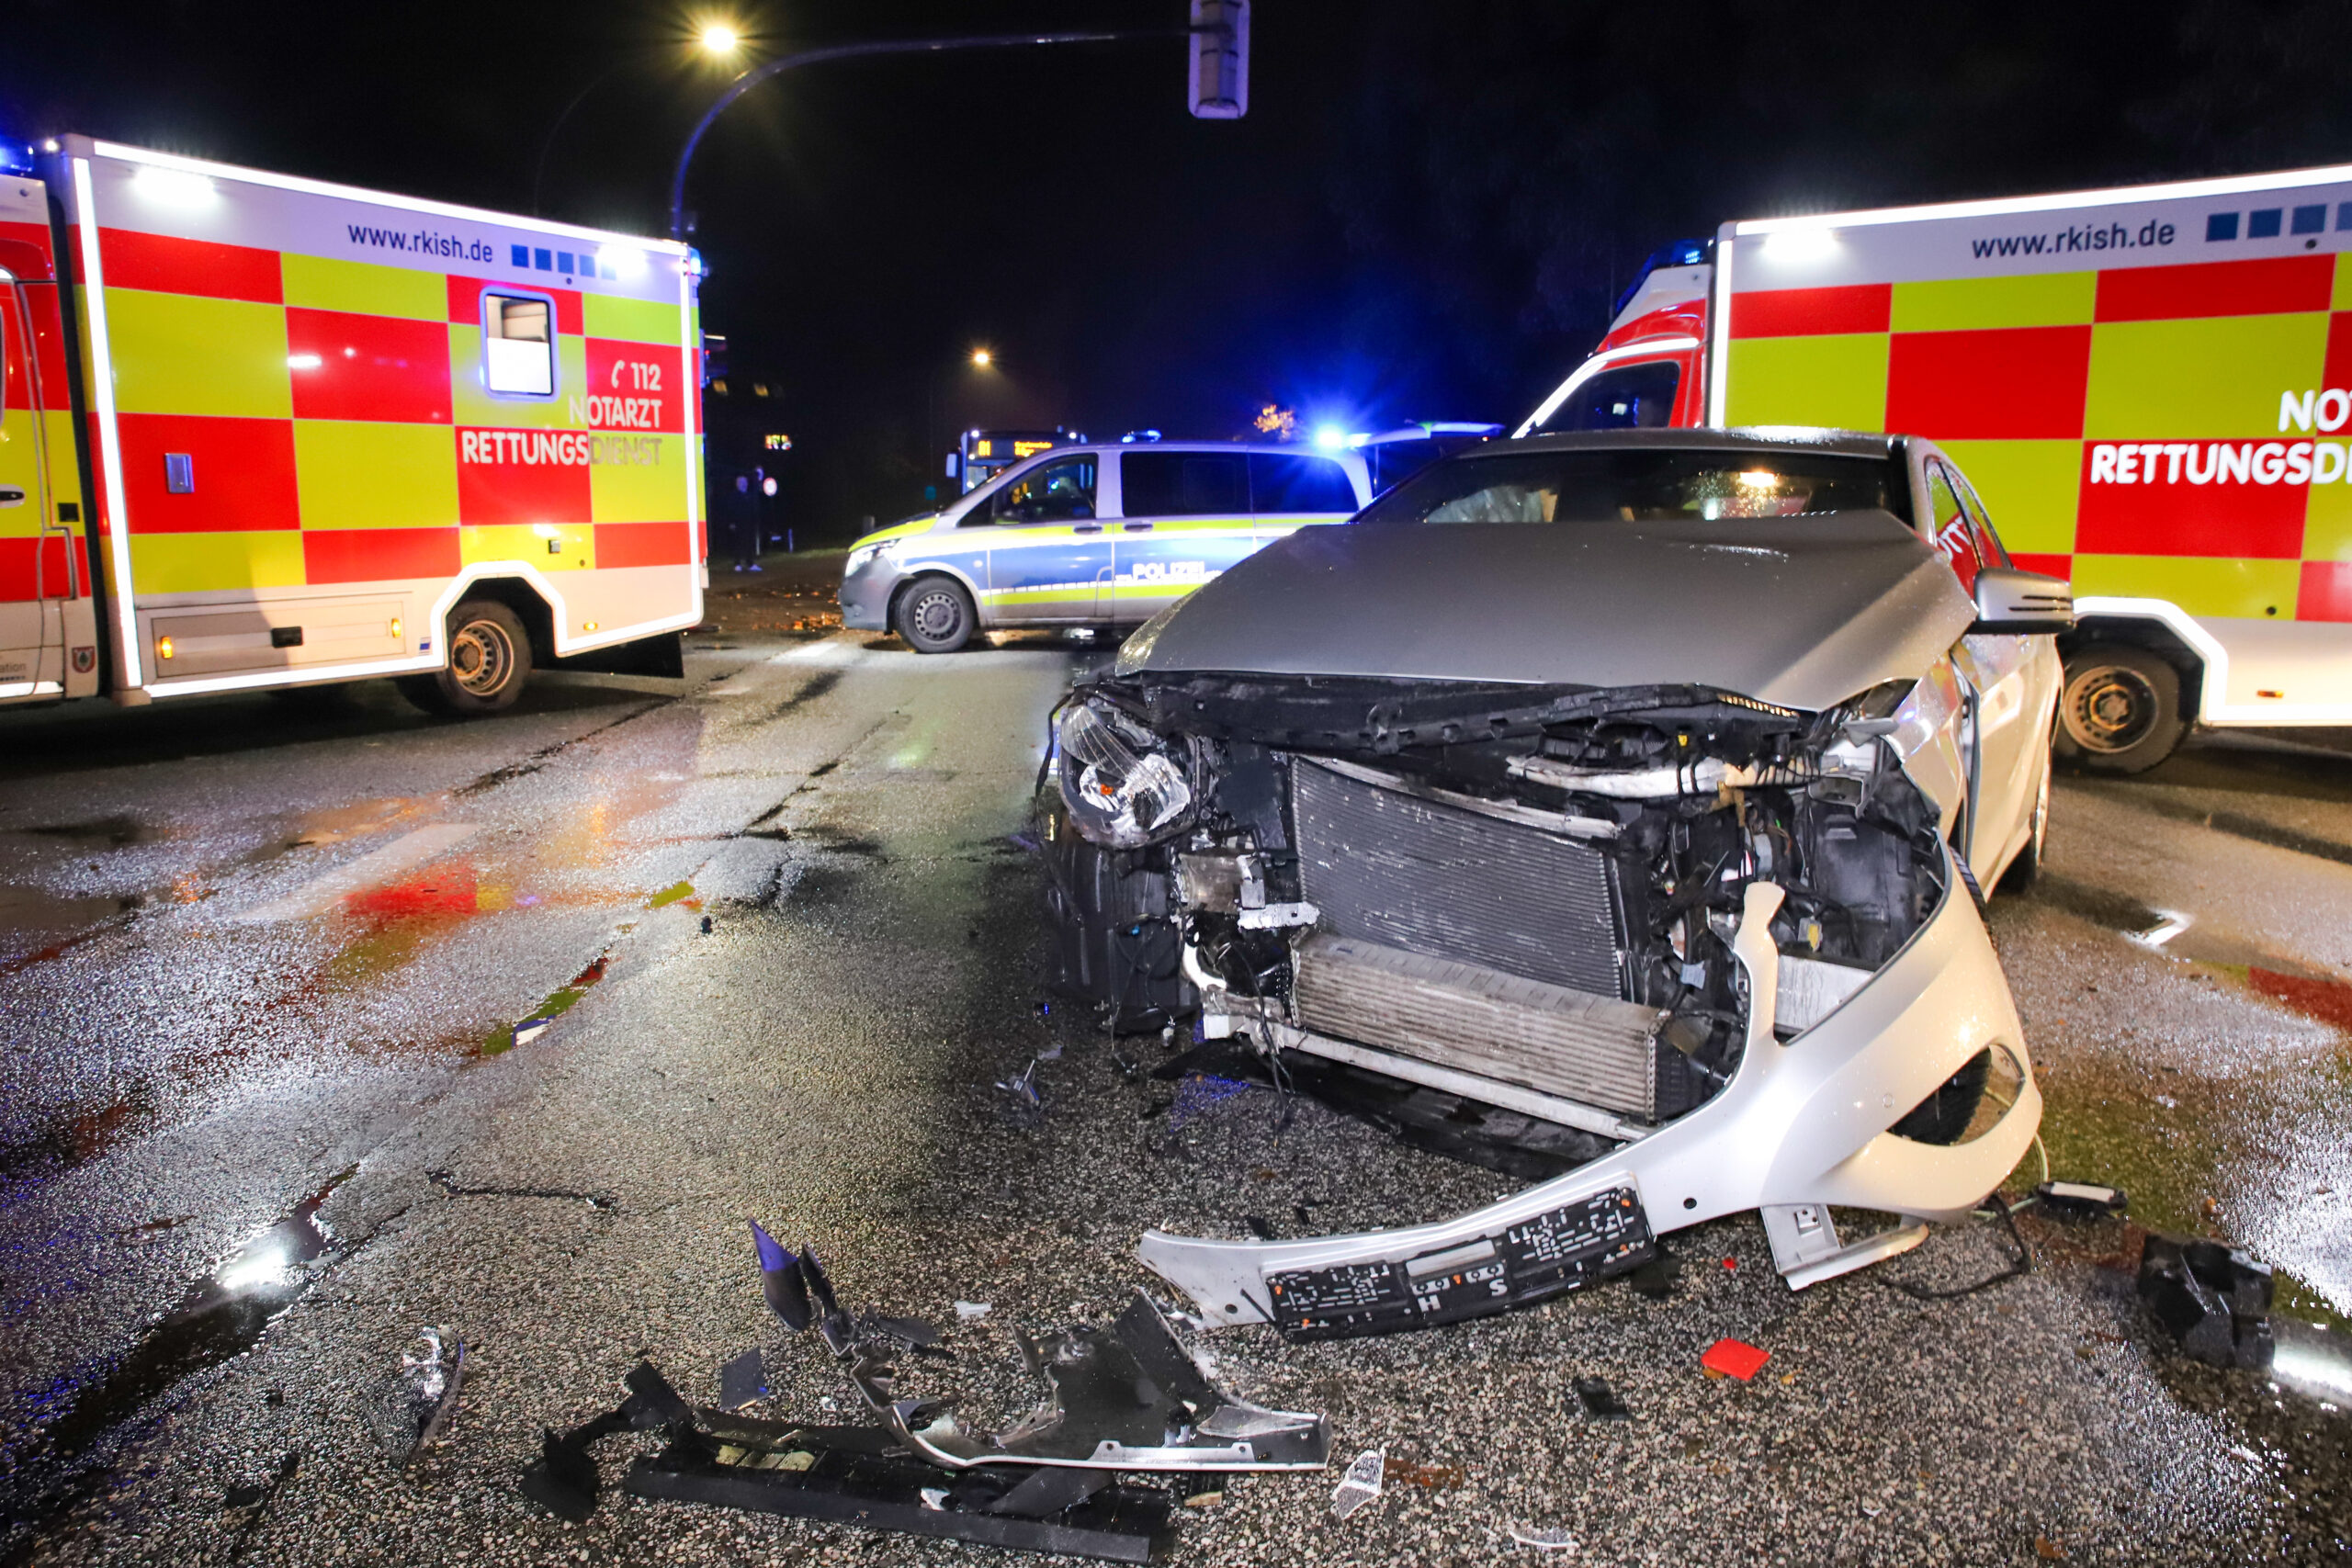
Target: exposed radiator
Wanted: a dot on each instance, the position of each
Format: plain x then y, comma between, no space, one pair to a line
1593,1049
1431,878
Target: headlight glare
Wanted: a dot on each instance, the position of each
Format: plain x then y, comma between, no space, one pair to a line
1123,788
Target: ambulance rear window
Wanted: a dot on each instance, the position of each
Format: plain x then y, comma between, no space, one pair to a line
518,344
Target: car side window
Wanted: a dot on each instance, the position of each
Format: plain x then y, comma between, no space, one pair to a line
1183,484
1989,548
1279,483
1947,527
1631,396
1060,492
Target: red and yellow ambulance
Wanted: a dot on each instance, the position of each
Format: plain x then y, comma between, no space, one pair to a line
2151,388
262,430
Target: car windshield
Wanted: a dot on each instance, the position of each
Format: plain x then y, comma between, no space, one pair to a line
1643,485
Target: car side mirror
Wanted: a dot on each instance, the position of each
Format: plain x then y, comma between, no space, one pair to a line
2011,601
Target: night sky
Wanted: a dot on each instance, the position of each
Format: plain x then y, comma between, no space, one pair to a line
1425,215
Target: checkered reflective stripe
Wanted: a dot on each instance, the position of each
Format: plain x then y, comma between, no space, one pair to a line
336,429
2125,425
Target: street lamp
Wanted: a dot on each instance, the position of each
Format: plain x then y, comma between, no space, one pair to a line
979,359
717,40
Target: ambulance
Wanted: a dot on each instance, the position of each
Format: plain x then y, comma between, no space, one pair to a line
258,431
2150,389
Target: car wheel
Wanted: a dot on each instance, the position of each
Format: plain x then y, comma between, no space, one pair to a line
2119,710
489,660
936,615
2026,869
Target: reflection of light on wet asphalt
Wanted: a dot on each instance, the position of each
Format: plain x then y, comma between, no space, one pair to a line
831,652
264,1266
2312,1361
2168,926
372,870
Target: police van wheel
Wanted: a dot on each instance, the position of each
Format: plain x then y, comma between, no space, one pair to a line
936,615
489,660
2119,710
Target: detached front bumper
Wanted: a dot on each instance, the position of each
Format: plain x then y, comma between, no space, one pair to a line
1803,1126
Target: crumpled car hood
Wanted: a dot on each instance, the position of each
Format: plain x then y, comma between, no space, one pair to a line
1800,611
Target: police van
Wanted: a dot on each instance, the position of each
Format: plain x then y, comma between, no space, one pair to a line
1095,536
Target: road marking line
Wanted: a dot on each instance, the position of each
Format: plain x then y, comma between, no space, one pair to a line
316,895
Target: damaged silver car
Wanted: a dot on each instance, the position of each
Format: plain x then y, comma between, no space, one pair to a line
1609,807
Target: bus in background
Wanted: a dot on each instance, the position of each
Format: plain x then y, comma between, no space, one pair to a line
2150,387
985,454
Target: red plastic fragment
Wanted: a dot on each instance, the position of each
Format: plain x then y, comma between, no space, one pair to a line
1734,1357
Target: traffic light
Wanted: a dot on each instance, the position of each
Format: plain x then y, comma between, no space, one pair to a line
1219,83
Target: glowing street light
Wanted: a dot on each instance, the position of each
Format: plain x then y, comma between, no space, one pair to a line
719,40
982,358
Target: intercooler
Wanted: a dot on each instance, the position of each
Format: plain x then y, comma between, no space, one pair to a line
1477,945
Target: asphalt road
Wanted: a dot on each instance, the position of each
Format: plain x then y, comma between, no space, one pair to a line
262,1112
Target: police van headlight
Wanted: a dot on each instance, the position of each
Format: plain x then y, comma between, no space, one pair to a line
1124,787
865,555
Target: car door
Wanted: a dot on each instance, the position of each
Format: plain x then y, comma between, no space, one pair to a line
1184,517
1288,492
2010,739
35,555
1049,559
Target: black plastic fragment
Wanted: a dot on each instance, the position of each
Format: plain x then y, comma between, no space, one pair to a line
1259,1227
2214,1300
742,1381
909,1331
782,1281
563,1480
1049,1490
1600,1402
1116,1524
1654,1280
2081,1200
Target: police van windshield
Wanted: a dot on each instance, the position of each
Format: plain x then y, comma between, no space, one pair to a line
1643,485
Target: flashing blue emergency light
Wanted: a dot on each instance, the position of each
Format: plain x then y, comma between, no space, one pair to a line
1330,438
1132,437
16,157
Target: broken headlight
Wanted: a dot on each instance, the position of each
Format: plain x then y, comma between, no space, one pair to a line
1124,786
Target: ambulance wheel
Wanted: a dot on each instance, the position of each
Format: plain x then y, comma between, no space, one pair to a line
2119,710
490,660
936,615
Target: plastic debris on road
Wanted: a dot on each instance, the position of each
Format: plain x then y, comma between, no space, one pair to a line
1554,1538
2213,1298
2081,1200
1733,1359
972,1312
409,1408
782,1281
1361,1482
743,1380
1600,1402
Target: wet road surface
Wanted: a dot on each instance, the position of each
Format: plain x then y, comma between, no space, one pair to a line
268,1109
